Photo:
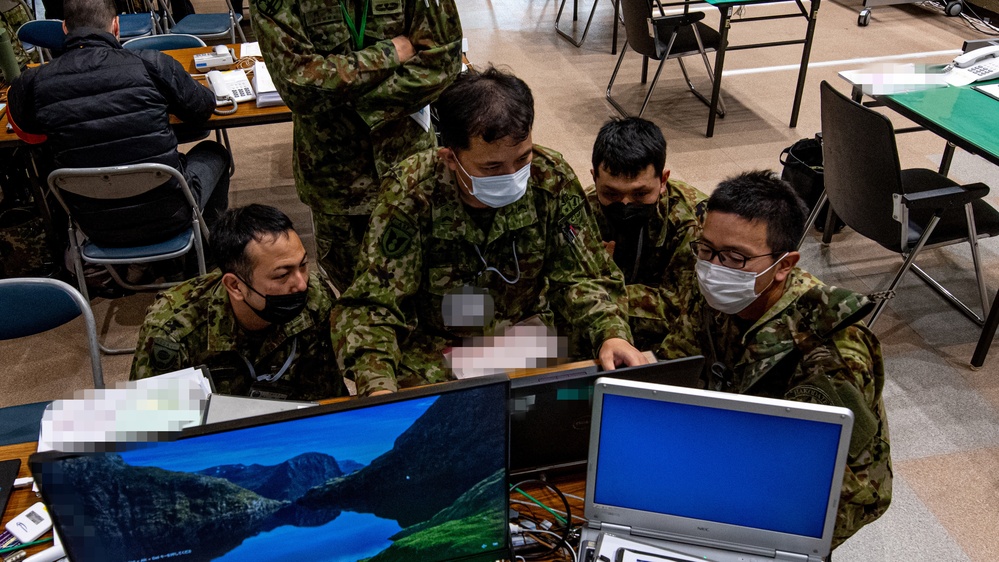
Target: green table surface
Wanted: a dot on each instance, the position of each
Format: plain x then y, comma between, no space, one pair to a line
964,116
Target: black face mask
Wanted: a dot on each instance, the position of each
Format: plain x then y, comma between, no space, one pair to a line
628,217
279,309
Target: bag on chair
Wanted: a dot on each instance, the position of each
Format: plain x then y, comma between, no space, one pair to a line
802,163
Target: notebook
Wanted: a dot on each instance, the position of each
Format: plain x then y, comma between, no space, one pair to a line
714,476
418,475
550,413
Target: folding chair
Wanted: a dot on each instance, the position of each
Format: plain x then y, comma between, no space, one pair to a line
43,34
664,37
212,25
31,306
165,42
118,184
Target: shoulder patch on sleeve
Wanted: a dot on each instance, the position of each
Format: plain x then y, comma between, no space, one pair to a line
164,353
397,238
570,205
269,7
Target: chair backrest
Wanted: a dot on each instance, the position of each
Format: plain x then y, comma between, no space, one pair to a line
861,169
164,42
117,182
135,25
42,33
636,26
30,306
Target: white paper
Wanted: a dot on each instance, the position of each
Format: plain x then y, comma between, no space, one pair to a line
250,50
422,117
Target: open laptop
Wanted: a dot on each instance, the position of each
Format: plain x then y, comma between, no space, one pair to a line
712,476
417,475
550,413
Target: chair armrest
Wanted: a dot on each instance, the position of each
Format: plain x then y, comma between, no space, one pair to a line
665,24
945,197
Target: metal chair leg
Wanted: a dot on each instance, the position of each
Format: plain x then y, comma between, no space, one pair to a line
586,29
652,87
905,267
610,84
812,217
983,291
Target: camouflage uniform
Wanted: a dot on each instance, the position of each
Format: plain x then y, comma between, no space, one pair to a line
351,107
193,324
388,327
811,346
666,260
12,16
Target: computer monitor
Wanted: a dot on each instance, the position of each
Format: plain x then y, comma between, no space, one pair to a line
419,475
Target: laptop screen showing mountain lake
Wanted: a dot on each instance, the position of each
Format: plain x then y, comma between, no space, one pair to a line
420,475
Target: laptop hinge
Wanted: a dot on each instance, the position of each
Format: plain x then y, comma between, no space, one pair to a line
614,529
790,556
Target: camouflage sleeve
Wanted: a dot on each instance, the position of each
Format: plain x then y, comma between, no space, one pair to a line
591,286
368,321
156,352
436,36
854,381
308,80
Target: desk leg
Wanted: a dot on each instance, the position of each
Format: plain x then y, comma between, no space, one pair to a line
948,156
988,333
806,52
723,25
617,8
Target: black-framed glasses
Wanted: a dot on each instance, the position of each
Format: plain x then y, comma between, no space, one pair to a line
728,258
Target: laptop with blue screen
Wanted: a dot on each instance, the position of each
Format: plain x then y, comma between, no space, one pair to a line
711,476
419,475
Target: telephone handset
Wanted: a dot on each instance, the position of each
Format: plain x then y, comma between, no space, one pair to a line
975,66
230,87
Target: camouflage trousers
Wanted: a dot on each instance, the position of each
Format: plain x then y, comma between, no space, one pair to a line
338,243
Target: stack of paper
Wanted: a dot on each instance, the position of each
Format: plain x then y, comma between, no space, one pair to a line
267,94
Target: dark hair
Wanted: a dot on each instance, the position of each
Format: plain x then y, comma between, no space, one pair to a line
626,147
237,227
762,195
89,13
491,104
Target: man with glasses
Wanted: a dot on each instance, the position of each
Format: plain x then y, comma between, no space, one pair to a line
260,323
768,328
474,237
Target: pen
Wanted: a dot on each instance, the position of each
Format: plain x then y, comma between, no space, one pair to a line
25,545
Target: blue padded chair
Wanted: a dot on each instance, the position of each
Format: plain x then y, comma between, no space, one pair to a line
164,42
218,25
123,182
30,306
136,25
43,34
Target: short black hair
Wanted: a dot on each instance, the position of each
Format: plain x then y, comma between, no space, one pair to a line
237,227
96,14
762,195
491,104
626,147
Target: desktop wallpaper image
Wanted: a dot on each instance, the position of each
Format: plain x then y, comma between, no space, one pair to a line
420,479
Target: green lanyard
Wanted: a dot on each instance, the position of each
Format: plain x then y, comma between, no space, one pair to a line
358,37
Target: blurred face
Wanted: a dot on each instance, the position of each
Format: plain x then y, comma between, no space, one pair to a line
484,159
645,188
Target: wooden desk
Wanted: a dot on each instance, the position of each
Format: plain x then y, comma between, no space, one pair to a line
247,114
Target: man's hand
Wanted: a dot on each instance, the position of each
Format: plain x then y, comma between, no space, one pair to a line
609,246
379,392
404,47
617,351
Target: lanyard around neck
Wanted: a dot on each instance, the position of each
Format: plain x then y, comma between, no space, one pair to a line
358,36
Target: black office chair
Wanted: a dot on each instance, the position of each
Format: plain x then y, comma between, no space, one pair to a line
664,37
902,210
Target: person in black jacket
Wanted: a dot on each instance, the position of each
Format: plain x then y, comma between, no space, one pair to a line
101,105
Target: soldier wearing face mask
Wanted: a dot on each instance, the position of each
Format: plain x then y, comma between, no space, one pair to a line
475,236
646,221
768,328
260,323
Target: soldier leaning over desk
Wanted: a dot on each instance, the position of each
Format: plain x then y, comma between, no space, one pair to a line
353,72
261,324
490,221
767,328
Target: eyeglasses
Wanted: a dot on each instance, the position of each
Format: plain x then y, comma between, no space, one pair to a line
728,258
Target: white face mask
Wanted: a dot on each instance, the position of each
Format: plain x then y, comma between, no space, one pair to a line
499,191
729,290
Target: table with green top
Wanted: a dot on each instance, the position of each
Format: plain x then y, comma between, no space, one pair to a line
727,9
965,118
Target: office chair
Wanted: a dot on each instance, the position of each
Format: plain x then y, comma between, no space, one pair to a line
73,185
902,210
212,25
31,306
165,42
43,34
664,37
